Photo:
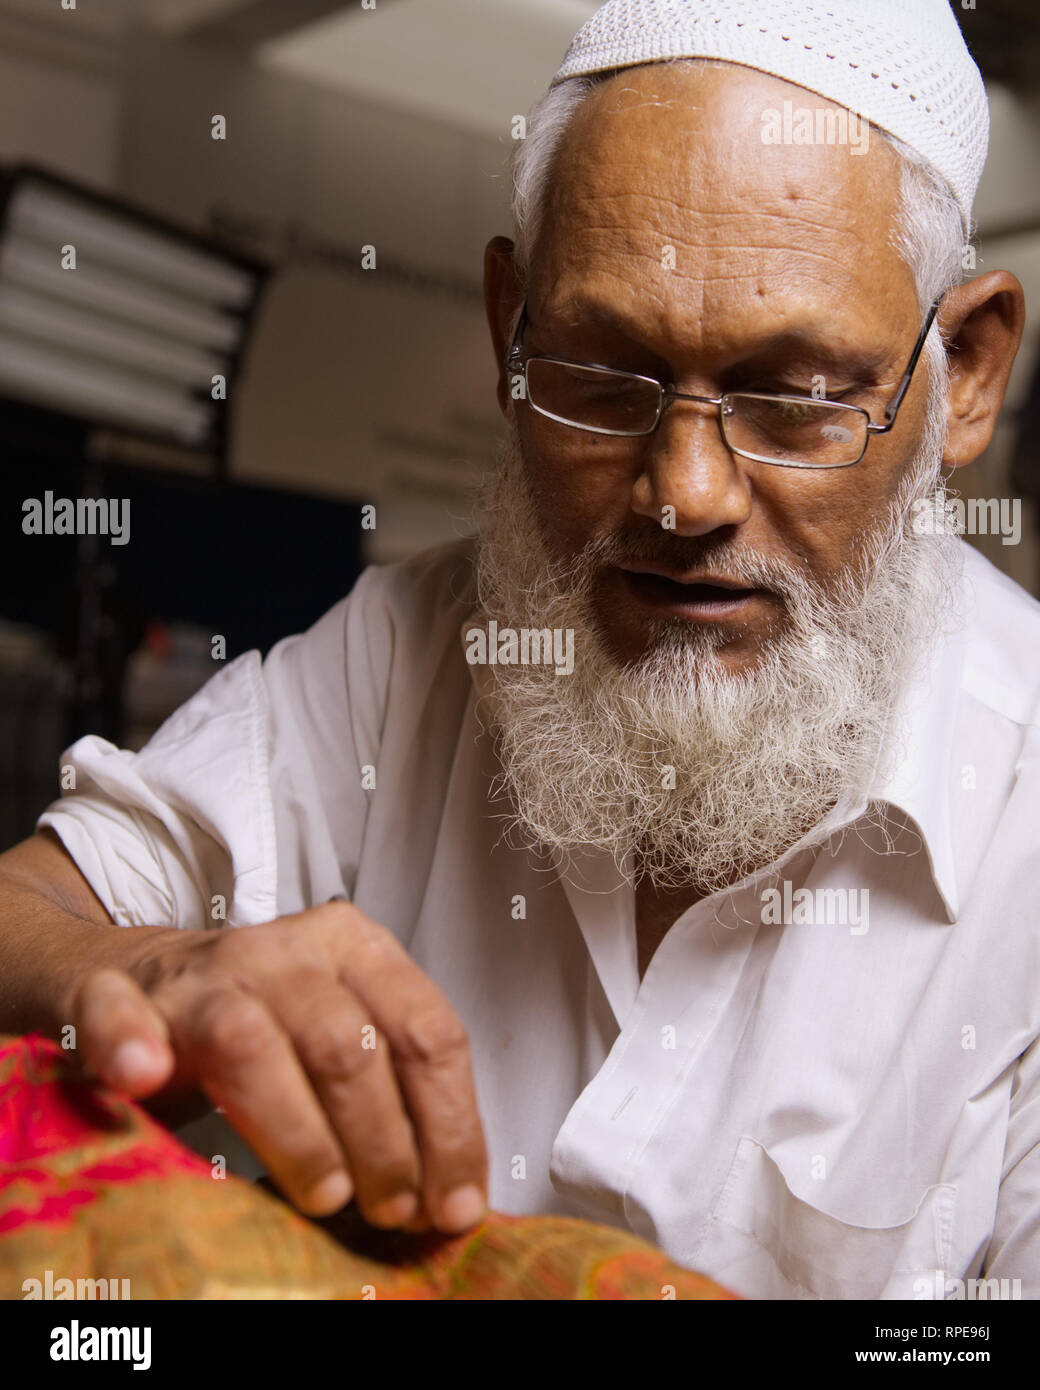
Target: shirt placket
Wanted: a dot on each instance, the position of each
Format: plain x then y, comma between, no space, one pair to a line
669,1025
666,1020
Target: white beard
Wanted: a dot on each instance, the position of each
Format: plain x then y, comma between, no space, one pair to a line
758,758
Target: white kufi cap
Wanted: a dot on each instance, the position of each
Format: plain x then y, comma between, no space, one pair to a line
901,64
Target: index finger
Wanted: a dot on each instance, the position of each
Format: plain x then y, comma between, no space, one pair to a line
431,1057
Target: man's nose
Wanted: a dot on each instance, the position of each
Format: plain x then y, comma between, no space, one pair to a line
687,466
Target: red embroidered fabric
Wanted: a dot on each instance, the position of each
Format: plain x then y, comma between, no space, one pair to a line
92,1188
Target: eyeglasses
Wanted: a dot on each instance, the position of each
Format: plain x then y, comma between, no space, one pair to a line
785,430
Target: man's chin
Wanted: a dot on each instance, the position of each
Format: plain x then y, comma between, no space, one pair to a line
632,632
711,655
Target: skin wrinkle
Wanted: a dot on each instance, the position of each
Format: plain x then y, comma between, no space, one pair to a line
676,239
646,202
724,272
784,218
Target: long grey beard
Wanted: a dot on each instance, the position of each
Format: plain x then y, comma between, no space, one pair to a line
685,772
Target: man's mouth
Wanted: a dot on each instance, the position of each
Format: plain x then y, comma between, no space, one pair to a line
699,597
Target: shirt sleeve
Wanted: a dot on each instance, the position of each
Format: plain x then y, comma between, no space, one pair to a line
248,802
182,832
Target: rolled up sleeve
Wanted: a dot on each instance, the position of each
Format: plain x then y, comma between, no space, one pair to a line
182,832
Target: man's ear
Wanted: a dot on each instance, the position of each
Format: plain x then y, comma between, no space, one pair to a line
982,322
502,297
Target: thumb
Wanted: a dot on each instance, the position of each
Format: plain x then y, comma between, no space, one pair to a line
122,1038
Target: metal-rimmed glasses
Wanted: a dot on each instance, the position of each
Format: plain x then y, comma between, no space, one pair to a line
789,431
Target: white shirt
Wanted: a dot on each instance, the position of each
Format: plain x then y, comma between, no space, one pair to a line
800,1110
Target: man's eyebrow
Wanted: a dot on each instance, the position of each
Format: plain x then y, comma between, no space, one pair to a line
806,345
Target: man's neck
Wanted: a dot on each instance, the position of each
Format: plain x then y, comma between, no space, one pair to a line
657,910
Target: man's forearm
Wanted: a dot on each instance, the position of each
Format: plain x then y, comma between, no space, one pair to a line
44,950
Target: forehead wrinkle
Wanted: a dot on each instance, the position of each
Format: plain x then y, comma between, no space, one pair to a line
754,226
574,201
631,177
756,272
694,324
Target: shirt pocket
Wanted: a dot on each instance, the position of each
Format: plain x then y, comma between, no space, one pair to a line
765,1241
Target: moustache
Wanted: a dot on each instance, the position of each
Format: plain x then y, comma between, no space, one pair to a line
683,554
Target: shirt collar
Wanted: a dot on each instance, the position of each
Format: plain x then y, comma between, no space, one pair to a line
923,730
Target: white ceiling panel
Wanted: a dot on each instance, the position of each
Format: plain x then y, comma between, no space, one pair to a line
475,63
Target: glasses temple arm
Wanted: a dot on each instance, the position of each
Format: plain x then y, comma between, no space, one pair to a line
892,409
513,355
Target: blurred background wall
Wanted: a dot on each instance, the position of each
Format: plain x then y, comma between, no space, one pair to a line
348,126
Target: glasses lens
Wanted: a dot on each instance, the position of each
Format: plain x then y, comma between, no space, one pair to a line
592,397
794,430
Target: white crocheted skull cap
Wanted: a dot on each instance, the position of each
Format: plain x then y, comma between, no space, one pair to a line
901,64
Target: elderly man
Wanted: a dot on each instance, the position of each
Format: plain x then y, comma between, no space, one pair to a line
667,857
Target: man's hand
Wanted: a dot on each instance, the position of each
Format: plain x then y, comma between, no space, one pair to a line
339,1062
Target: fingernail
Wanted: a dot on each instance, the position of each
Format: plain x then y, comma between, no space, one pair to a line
462,1208
132,1062
330,1194
395,1210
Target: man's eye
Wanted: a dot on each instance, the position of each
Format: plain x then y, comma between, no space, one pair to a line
794,410
828,391
599,383
794,413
